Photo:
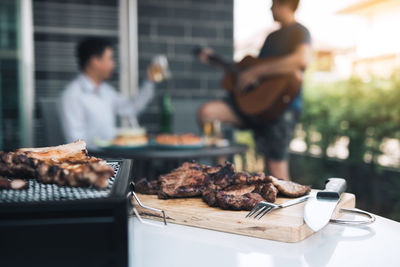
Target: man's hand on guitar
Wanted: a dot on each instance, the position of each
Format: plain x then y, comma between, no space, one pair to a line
204,55
245,79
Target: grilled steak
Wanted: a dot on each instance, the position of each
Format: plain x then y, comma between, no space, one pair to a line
268,191
63,165
149,188
220,186
247,178
216,181
231,190
221,178
289,188
209,196
185,181
238,197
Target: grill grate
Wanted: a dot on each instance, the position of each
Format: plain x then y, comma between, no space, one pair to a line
39,192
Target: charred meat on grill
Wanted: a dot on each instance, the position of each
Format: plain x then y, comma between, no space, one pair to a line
63,165
15,184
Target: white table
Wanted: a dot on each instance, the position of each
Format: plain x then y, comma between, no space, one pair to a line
176,245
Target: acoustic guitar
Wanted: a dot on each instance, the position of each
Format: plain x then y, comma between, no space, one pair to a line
263,100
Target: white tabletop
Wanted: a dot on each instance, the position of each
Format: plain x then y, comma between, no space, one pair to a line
176,245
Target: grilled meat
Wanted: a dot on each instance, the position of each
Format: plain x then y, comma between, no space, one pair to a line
289,188
220,186
149,188
231,190
238,197
209,196
247,178
185,181
216,181
267,190
63,165
221,178
16,184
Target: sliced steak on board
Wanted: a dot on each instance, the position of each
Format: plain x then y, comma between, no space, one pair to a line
289,188
184,181
220,186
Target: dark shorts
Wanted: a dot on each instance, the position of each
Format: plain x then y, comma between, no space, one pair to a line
273,138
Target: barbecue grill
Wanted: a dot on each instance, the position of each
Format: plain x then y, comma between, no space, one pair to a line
49,225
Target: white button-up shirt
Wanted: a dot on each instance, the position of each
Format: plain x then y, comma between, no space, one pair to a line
89,112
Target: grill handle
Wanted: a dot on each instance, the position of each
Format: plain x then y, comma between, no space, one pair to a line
133,197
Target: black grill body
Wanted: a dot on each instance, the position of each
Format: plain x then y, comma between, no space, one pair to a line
49,225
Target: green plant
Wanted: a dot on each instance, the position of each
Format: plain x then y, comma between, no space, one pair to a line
365,111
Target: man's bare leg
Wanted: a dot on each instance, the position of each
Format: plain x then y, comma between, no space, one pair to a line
217,110
278,169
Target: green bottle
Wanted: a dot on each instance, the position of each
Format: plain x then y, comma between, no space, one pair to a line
166,114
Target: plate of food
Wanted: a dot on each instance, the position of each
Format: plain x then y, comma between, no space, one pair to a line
126,139
128,142
178,141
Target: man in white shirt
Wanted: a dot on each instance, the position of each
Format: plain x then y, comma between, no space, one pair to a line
89,104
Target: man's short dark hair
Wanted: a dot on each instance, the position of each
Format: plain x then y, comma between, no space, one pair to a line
90,47
294,4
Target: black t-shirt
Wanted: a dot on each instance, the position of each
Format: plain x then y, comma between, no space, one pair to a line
284,42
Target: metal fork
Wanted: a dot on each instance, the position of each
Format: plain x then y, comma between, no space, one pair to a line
264,207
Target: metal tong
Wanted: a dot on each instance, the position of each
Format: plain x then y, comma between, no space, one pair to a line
133,196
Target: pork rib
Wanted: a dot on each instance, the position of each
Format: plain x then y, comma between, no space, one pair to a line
63,165
16,184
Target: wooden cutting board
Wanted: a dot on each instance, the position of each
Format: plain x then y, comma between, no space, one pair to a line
285,224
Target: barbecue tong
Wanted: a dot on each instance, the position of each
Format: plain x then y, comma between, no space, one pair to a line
132,195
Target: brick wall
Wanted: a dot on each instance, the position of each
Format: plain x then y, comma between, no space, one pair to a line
174,28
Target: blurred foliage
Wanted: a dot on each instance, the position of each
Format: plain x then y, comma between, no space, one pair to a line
252,162
365,111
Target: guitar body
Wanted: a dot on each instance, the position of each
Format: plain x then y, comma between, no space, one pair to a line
268,98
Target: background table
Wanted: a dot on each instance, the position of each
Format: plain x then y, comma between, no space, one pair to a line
150,161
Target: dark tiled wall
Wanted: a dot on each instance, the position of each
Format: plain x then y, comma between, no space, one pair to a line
174,28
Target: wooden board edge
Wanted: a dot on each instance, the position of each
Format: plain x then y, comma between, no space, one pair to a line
295,234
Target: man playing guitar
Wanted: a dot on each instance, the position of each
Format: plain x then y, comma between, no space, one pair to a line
290,46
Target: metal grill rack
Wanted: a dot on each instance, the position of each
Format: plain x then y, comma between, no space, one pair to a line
65,222
40,192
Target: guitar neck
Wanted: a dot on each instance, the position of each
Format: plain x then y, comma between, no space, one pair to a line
220,62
